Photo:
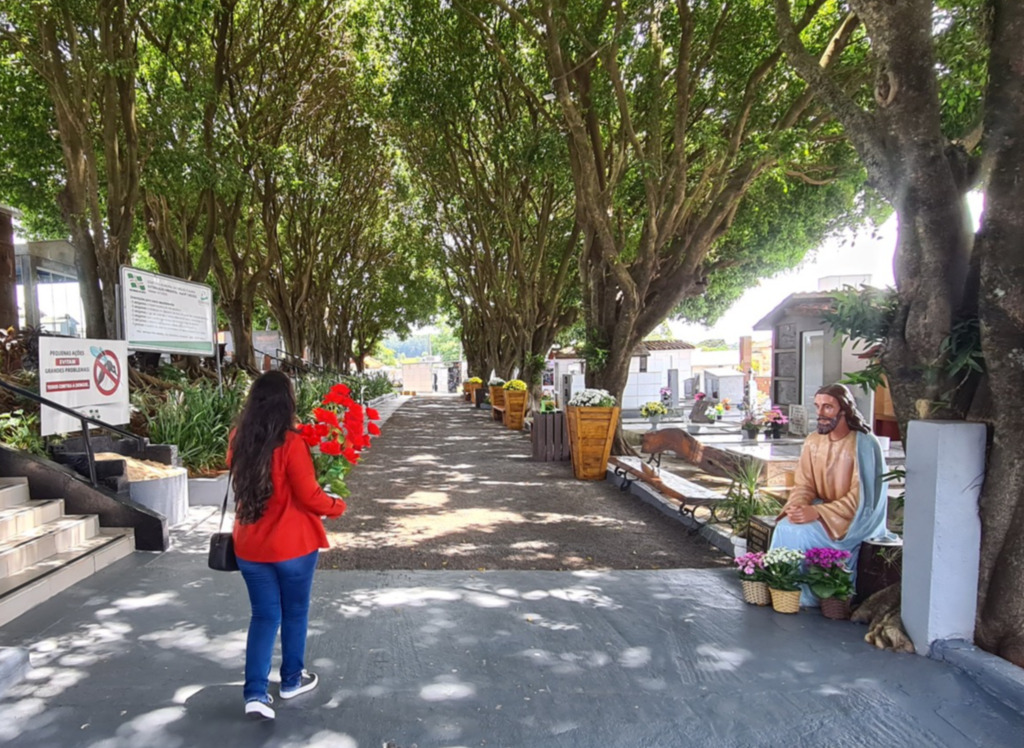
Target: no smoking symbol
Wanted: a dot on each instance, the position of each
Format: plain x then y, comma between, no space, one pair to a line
106,372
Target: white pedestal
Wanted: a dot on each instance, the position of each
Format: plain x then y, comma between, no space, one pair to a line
942,530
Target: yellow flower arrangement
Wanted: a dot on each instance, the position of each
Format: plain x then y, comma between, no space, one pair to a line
517,385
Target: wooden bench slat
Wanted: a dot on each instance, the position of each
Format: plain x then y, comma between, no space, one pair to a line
668,483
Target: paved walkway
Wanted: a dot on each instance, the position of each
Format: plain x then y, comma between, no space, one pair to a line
149,653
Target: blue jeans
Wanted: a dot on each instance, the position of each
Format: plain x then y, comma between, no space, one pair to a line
279,594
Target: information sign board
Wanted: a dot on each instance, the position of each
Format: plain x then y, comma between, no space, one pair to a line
166,314
89,376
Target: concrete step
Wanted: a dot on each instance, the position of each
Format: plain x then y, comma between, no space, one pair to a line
13,491
38,582
45,540
22,518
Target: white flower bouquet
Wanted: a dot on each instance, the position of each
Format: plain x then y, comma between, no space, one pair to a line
592,399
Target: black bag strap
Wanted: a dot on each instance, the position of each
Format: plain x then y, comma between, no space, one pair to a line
224,507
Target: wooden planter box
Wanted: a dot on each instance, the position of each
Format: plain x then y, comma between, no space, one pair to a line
591,432
515,408
470,389
497,403
549,437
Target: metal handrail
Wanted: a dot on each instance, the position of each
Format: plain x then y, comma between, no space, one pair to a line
28,394
296,359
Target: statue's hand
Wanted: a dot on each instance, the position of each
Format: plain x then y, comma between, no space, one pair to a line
802,515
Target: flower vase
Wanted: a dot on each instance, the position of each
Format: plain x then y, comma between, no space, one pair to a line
838,609
755,593
655,420
785,601
750,434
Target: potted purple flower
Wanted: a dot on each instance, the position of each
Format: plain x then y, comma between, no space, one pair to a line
830,580
751,571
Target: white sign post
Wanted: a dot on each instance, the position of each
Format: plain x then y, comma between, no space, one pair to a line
89,376
166,314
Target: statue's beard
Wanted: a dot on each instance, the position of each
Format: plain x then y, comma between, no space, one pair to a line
828,425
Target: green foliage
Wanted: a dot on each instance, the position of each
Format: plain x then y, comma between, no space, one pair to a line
20,430
744,499
368,385
961,351
595,351
863,315
198,418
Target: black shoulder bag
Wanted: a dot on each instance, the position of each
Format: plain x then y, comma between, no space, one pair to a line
222,544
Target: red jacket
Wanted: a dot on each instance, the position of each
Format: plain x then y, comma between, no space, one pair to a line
290,526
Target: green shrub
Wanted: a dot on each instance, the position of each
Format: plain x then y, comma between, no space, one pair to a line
197,419
744,498
20,430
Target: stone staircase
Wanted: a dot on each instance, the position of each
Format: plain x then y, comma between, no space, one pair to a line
44,551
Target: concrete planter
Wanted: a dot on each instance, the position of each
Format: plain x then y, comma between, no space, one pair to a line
208,491
168,496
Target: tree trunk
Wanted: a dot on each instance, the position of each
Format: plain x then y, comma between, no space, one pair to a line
1001,248
239,315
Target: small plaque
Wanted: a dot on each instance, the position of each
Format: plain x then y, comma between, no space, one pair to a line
798,420
759,534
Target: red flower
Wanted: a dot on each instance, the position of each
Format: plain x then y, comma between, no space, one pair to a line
330,448
374,429
309,434
341,389
372,414
326,416
322,430
351,455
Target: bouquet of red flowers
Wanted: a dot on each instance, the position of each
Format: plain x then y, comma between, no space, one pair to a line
341,429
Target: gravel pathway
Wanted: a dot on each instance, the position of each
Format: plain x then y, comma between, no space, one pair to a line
445,487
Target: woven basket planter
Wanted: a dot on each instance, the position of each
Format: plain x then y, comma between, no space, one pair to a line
786,601
835,608
515,408
756,593
591,432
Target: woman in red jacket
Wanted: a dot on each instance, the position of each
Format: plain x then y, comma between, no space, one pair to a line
278,533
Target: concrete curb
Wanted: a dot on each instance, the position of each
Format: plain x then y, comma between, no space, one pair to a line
1001,679
722,539
14,666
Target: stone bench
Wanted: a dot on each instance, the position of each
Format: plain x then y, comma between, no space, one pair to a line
690,495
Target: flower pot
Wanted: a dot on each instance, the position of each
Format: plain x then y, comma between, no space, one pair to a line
755,593
838,609
655,420
749,434
498,396
785,601
515,408
591,432
470,389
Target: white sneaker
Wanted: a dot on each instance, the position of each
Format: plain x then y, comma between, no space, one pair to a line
257,709
307,682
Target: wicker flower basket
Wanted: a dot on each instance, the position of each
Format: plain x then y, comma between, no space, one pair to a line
591,432
755,593
515,408
785,601
838,609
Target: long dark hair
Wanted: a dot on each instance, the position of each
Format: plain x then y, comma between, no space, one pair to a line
847,404
268,414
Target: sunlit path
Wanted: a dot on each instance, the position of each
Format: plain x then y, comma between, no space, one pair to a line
446,487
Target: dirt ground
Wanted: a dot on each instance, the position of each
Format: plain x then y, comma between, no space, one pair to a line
445,487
